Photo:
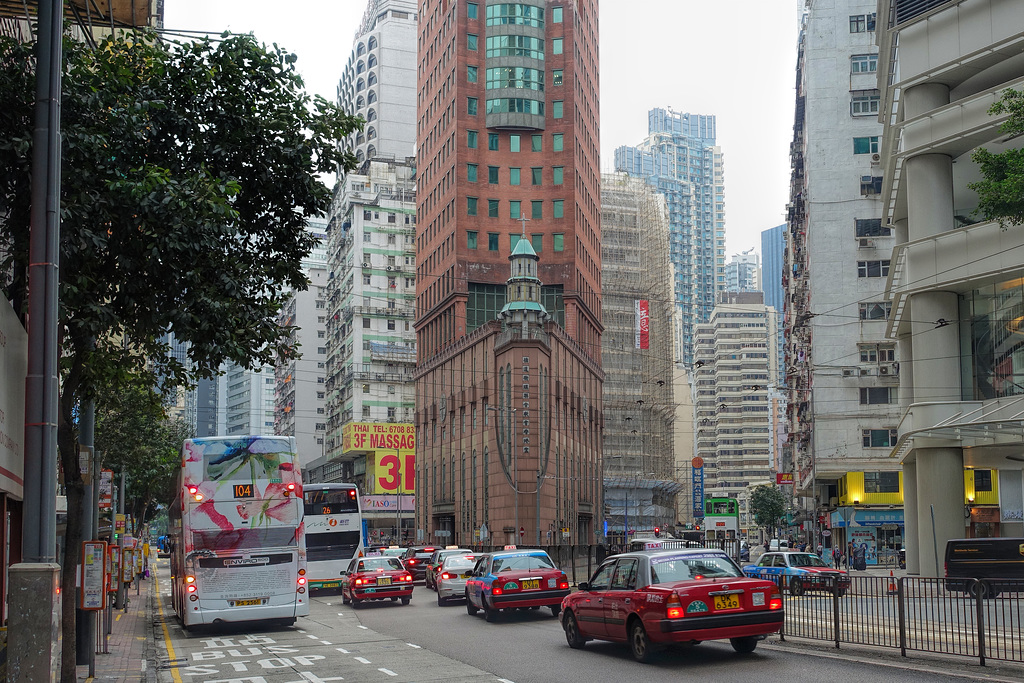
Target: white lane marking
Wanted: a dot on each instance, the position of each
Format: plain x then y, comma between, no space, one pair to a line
364,660
504,680
326,642
389,672
301,631
365,628
328,604
314,637
415,646
143,665
341,614
342,650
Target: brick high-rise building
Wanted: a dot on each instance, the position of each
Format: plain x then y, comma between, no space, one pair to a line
507,129
507,149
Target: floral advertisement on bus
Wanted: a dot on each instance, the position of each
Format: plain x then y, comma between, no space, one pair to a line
246,488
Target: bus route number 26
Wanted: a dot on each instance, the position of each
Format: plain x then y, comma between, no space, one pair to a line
396,471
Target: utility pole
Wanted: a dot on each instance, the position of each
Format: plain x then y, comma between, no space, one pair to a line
119,601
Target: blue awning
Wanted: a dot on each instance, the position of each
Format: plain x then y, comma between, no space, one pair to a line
867,518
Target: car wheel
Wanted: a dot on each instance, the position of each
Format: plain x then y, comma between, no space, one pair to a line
470,607
982,589
639,644
406,599
839,592
555,610
572,632
744,645
356,602
440,600
490,615
344,600
796,586
394,599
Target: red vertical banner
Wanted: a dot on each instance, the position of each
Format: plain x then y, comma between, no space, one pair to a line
641,335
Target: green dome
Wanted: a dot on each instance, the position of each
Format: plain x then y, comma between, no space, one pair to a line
524,248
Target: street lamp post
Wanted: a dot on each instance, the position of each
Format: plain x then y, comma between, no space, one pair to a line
398,506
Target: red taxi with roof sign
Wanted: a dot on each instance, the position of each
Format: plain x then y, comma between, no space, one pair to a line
654,598
375,578
515,579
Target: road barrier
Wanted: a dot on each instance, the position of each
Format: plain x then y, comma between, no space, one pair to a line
960,617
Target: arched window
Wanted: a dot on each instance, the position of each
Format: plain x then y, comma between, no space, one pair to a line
361,50
371,152
360,67
371,133
359,156
371,97
371,79
360,85
372,44
371,115
360,102
371,61
360,139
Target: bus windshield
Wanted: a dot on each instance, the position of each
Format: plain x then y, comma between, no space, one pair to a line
330,501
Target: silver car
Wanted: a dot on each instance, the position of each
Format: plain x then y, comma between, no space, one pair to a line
451,577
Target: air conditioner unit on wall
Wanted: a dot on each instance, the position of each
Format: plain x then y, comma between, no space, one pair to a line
865,243
848,372
884,369
876,158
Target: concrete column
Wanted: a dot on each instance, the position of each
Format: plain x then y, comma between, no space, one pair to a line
33,629
905,357
911,523
940,491
935,349
929,177
900,231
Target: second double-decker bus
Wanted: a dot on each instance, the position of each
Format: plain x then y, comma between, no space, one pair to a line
334,531
721,519
238,549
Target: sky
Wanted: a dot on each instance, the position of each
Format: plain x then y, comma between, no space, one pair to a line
735,59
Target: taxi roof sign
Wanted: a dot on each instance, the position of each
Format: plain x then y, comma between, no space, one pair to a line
451,547
509,547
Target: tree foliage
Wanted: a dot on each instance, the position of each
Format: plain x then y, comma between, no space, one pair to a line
134,435
188,173
1001,191
768,505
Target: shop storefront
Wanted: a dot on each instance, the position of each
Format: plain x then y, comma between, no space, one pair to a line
878,533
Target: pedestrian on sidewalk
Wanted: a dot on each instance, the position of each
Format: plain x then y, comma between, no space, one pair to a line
849,556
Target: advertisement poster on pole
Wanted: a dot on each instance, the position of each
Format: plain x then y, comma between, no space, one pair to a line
113,567
106,489
94,580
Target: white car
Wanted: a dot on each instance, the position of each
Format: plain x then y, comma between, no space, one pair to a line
775,545
451,577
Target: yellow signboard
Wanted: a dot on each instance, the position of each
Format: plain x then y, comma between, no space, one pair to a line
390,454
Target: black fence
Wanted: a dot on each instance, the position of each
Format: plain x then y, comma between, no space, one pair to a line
961,617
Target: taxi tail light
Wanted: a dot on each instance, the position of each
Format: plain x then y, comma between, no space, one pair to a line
496,590
410,561
563,582
775,602
359,582
673,607
407,577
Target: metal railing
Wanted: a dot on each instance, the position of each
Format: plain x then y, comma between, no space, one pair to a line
959,617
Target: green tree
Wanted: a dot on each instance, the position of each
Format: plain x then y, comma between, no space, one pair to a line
1001,191
768,505
188,172
134,435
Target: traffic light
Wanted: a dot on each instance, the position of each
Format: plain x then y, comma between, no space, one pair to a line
657,532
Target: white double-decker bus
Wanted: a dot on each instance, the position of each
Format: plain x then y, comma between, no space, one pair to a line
238,550
334,531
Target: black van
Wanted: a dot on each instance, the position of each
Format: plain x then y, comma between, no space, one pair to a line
997,564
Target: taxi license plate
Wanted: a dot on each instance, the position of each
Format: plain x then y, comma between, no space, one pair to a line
384,581
727,601
530,584
247,603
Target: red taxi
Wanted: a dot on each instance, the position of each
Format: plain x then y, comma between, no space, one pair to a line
375,578
654,598
515,579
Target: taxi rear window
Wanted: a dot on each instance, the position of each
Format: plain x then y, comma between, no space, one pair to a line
671,568
507,564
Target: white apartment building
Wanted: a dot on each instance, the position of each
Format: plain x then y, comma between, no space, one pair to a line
842,371
955,286
370,307
735,362
379,81
743,272
300,394
248,400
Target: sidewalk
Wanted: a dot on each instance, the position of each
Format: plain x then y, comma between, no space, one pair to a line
130,639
